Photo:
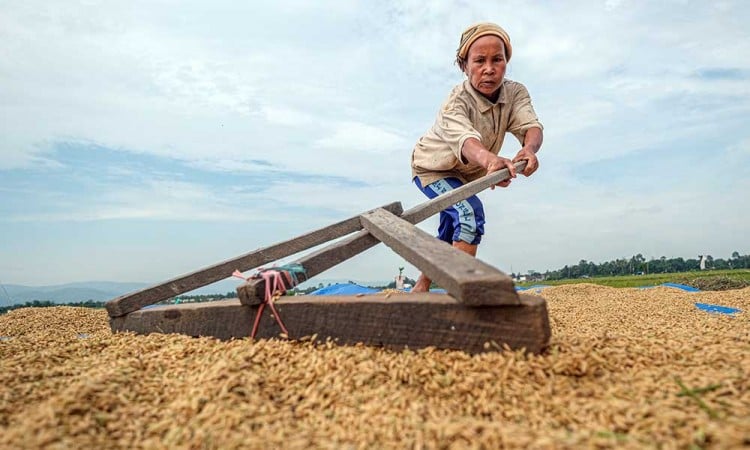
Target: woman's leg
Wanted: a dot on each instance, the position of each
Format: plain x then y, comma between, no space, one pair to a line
461,225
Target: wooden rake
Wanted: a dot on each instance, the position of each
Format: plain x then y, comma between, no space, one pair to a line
476,289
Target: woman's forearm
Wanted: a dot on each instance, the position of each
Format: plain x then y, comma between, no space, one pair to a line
533,139
473,151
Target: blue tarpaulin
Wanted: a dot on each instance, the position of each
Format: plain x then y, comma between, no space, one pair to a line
535,286
344,289
716,308
702,306
683,287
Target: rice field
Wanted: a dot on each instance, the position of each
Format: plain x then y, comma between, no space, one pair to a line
627,368
704,280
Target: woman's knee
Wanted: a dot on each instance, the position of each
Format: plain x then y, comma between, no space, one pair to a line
470,218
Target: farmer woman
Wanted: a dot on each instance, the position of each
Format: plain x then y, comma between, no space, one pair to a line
465,140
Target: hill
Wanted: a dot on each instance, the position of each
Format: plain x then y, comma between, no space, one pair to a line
70,292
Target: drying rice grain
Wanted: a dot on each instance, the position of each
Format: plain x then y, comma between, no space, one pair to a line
627,368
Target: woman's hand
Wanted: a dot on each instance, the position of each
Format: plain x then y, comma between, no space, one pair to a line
532,163
474,151
495,163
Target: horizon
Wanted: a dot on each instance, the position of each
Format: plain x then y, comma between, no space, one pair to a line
357,280
140,144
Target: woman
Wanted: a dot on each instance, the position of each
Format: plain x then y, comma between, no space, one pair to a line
464,142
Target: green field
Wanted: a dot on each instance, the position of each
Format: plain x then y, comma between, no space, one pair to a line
701,279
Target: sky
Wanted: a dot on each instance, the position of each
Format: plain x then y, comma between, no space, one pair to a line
141,140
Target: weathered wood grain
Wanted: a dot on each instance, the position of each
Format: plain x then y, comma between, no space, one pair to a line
467,279
252,292
401,321
207,275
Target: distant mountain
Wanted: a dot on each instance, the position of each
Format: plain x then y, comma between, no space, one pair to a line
101,291
64,293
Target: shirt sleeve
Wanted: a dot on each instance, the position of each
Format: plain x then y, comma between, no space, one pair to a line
454,126
522,114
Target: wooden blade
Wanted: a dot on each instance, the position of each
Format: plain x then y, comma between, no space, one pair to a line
372,319
217,272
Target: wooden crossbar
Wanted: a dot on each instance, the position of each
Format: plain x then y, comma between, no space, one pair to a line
467,279
134,301
252,292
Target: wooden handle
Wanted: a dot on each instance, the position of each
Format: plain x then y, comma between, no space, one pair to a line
443,201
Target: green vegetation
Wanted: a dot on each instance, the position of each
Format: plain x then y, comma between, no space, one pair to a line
704,279
638,265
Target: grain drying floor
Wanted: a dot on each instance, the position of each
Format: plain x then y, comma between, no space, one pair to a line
612,378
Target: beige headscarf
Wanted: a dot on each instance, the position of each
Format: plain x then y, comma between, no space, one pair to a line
478,30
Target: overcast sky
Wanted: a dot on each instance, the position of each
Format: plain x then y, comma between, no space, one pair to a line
143,140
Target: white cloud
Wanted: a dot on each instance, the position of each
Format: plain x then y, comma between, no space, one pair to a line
287,116
613,4
343,90
738,155
353,137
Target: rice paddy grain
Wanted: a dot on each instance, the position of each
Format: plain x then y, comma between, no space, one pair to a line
627,368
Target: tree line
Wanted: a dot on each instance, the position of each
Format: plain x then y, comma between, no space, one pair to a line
637,264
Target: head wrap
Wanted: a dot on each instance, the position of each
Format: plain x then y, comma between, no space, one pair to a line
478,30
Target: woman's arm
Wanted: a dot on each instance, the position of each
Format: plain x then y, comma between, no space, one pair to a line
474,151
532,141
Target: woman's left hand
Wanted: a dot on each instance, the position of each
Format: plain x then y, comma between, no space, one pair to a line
532,163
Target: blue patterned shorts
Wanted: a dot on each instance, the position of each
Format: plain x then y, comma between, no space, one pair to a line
463,221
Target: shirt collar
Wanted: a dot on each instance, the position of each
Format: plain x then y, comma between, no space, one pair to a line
482,102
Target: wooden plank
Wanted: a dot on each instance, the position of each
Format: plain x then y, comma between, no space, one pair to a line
373,320
211,274
467,279
252,292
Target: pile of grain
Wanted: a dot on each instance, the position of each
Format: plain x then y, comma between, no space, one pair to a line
628,368
715,283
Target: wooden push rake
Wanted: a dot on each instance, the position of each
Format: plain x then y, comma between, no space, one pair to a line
481,312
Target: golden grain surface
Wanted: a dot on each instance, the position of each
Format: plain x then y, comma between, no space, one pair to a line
627,368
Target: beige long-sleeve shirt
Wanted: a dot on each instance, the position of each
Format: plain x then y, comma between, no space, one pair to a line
466,114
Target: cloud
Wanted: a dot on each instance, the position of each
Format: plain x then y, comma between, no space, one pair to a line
723,73
738,153
287,116
353,137
293,111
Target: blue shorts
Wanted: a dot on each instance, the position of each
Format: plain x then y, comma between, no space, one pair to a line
463,221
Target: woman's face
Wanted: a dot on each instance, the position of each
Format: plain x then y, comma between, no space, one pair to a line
485,65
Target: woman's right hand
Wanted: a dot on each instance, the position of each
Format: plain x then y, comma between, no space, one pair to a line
496,163
474,151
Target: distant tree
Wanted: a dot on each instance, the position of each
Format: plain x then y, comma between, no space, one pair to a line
637,263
